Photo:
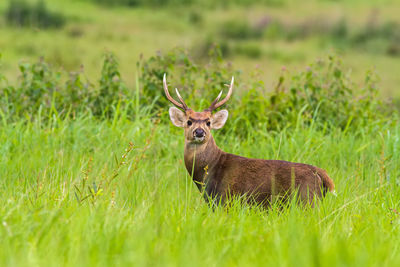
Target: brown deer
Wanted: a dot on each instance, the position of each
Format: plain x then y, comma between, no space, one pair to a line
221,174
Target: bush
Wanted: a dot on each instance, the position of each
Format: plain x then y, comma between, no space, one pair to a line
201,49
322,96
378,37
197,3
240,30
21,13
42,92
111,91
119,2
375,36
248,50
146,3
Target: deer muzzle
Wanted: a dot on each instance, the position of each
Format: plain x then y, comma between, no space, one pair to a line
199,134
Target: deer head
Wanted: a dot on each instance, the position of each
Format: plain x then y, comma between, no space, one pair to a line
197,125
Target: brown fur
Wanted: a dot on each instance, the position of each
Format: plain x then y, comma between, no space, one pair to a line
260,180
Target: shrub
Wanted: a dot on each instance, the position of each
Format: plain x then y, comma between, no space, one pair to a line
325,95
111,88
322,96
21,13
381,37
45,91
240,30
119,2
201,49
37,89
197,3
249,50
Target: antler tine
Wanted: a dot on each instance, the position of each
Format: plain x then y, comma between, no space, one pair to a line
215,104
217,99
181,99
169,97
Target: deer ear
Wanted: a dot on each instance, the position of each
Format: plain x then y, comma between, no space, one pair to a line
177,116
218,119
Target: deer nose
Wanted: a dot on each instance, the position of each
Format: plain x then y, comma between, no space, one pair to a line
199,132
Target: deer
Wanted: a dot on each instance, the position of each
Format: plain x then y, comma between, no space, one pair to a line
220,175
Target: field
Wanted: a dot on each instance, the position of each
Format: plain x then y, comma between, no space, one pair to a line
92,170
152,214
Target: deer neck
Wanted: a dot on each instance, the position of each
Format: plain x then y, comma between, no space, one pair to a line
201,156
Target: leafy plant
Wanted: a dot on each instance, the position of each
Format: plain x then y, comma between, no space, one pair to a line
42,90
240,30
322,96
23,14
111,88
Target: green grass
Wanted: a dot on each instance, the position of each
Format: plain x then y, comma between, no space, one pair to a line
152,214
73,193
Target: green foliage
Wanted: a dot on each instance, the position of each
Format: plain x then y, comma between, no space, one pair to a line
387,35
201,3
325,95
76,94
118,2
373,35
148,3
37,90
23,14
248,49
111,88
322,96
41,91
201,50
239,29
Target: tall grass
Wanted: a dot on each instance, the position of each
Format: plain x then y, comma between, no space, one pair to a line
83,188
152,214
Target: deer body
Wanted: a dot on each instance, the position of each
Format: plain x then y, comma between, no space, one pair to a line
260,179
222,174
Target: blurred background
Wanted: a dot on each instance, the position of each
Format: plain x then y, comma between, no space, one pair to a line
266,35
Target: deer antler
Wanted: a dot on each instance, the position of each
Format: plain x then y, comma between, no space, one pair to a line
181,105
215,104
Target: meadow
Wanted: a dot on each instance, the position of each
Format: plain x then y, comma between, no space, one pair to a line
92,170
152,214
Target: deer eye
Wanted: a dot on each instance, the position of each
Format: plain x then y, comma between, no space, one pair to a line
208,123
189,123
